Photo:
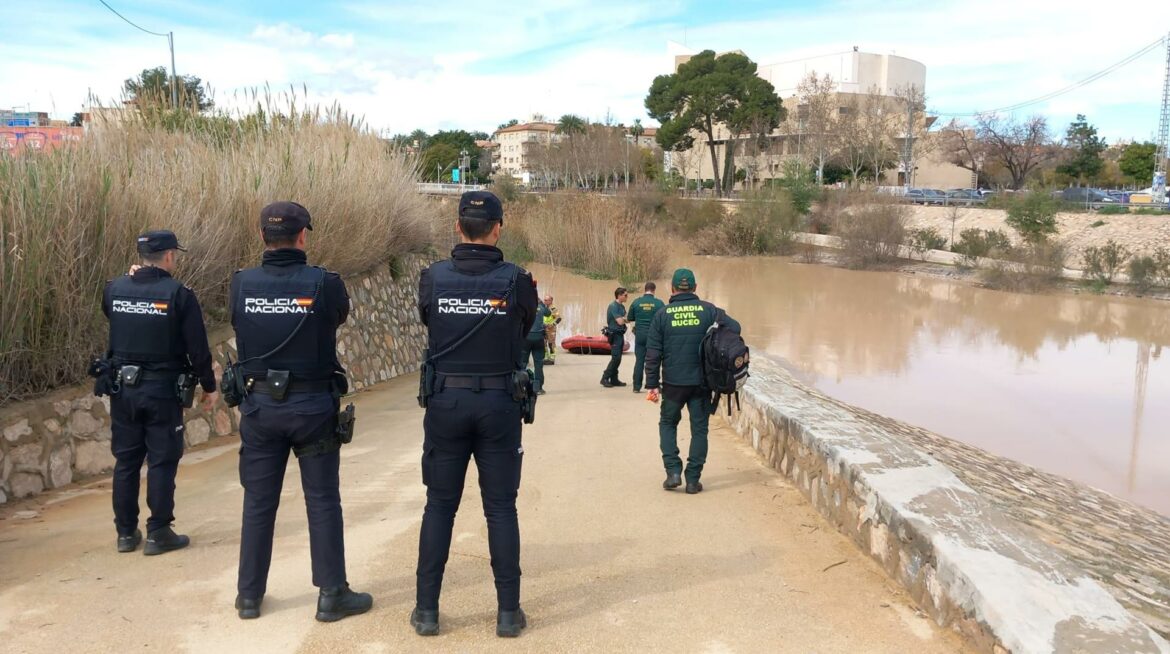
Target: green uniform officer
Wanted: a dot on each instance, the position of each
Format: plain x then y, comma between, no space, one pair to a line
615,324
674,360
641,311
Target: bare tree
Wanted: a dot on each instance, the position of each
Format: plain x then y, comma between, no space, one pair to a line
914,144
816,120
851,130
961,146
1020,147
878,130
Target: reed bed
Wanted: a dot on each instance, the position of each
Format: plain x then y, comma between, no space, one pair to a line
601,237
68,218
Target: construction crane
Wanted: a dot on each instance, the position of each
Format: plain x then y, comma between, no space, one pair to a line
1159,186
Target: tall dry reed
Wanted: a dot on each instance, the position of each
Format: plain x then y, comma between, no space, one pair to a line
68,218
602,237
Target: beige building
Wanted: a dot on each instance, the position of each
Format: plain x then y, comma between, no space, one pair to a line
514,142
855,74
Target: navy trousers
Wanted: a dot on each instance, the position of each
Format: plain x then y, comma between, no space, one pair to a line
459,424
146,425
268,431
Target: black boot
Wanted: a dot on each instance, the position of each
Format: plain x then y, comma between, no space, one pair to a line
249,609
129,543
673,480
606,382
161,541
694,487
425,621
617,382
510,623
338,602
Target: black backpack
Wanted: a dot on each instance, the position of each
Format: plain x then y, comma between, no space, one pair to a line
725,362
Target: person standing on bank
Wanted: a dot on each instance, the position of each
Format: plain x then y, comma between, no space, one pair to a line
534,346
642,310
478,310
615,330
551,320
674,347
286,314
156,335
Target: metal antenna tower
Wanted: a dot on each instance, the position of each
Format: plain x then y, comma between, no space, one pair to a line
1159,185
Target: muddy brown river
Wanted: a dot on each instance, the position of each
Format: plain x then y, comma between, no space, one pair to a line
1072,384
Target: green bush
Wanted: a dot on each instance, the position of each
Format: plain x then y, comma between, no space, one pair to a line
802,189
1035,267
1143,272
1150,211
871,235
1112,210
1101,263
686,217
1098,223
1161,259
1033,215
925,239
764,223
974,243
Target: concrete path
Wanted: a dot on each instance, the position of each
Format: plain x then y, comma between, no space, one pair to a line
611,561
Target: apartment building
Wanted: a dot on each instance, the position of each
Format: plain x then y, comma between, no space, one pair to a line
514,142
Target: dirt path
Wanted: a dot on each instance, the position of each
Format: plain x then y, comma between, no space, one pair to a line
611,561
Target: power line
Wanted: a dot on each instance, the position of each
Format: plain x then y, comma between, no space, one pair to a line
1072,87
130,22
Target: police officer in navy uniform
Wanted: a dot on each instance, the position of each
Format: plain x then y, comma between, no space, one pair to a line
286,314
156,333
472,410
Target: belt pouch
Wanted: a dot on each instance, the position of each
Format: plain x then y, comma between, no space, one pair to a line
277,381
130,375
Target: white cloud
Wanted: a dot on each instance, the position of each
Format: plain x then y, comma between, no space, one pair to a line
425,66
344,41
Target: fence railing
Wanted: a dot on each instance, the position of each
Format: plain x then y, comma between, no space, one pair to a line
431,188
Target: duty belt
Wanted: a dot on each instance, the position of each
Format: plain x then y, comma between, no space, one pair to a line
294,386
156,375
475,383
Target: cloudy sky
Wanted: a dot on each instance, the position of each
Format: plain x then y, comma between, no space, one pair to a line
473,65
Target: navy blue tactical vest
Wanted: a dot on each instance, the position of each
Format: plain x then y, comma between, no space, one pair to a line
458,302
267,308
144,323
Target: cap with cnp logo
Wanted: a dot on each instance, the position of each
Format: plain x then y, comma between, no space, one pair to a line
481,204
284,218
683,280
159,240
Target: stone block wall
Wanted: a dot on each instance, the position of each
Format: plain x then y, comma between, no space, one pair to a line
965,563
51,441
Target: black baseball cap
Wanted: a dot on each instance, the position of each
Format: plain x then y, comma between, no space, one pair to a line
159,240
284,218
481,204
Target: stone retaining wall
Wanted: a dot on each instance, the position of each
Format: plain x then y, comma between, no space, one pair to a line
967,564
49,442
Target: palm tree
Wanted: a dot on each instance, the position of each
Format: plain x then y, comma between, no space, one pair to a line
569,125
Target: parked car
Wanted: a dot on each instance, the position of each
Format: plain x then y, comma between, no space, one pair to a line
1085,195
964,196
926,196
